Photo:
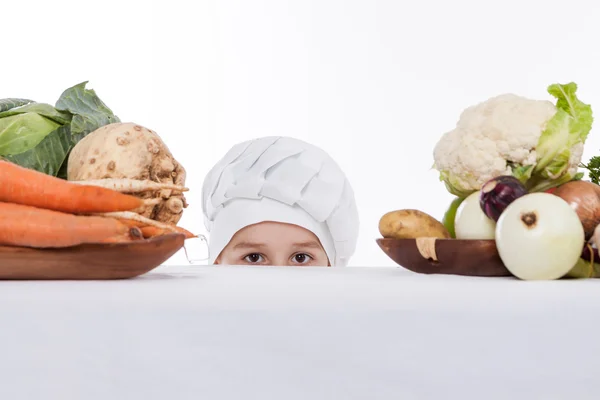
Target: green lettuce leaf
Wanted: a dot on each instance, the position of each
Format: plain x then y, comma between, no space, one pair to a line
22,132
570,125
581,113
558,166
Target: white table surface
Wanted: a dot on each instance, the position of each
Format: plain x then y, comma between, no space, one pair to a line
203,332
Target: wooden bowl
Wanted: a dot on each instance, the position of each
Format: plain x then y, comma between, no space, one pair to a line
90,261
446,256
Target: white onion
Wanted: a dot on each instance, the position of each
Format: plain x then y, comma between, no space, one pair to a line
471,222
539,237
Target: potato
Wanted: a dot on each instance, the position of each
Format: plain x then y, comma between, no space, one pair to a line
129,152
411,224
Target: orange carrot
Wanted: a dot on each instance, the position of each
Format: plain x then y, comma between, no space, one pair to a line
152,231
134,219
188,234
28,226
32,188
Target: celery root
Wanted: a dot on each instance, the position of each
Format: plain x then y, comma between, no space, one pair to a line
133,159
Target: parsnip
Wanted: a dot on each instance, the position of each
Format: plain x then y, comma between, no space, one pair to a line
126,185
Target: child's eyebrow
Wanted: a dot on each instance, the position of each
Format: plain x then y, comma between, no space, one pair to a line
248,245
310,244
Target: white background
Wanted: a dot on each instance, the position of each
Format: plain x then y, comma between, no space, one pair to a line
374,83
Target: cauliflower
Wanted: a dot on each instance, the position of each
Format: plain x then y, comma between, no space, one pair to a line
534,140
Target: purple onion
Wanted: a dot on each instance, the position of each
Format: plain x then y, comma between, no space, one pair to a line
497,193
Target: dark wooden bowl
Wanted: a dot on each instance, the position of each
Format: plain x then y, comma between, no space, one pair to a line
446,256
90,261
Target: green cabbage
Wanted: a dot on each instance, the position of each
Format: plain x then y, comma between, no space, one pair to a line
40,136
21,132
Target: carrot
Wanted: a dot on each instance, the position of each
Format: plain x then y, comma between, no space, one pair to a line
28,226
133,219
188,234
152,231
32,188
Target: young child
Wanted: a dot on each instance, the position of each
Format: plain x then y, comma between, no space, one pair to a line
279,201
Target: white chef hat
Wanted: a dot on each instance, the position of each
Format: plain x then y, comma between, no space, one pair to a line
280,179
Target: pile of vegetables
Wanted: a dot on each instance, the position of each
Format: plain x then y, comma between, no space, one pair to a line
539,235
81,140
514,165
41,211
538,142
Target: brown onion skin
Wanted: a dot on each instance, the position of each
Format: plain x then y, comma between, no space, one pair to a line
584,198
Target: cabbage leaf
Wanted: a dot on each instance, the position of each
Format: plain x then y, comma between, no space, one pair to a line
40,136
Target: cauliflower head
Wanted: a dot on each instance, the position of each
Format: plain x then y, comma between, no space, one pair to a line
537,141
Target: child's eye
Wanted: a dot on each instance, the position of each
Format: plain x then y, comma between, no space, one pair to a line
302,258
253,258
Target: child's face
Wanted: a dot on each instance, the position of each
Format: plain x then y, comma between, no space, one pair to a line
274,243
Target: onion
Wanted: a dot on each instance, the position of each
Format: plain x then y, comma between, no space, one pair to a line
471,222
539,237
498,193
584,198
